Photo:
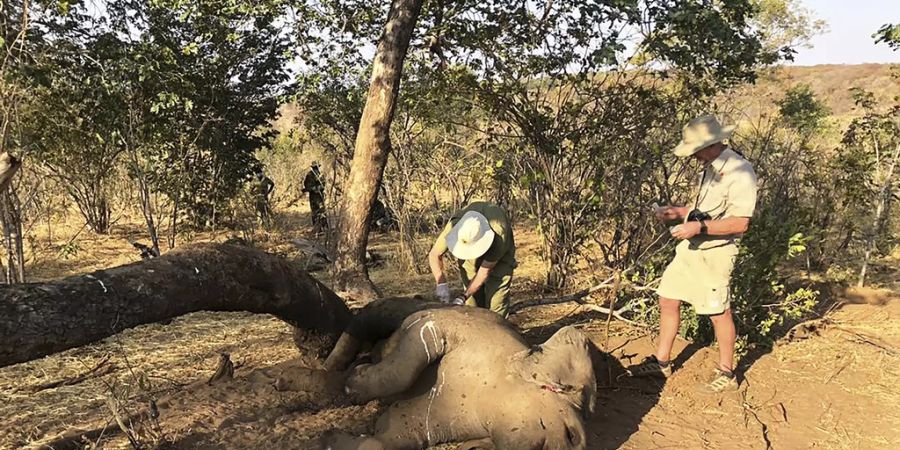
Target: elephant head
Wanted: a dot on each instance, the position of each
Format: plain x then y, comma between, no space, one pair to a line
562,365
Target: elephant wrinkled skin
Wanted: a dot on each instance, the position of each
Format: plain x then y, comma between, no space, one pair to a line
465,374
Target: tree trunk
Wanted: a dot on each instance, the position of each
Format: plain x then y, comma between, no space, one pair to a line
12,235
147,209
884,196
173,223
43,318
19,237
372,147
12,220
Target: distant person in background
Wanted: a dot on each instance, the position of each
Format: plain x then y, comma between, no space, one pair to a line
262,189
315,187
382,217
480,237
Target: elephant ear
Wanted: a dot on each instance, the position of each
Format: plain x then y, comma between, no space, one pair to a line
562,365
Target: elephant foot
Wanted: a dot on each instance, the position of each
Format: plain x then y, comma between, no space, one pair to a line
338,440
311,380
477,444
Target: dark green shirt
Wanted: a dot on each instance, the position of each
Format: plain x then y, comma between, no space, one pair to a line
503,248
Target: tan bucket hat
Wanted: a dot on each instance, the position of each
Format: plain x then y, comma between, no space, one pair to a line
700,133
471,237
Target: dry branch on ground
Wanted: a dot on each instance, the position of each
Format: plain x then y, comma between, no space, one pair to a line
39,319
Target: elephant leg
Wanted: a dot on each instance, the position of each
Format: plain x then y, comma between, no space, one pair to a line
420,343
344,441
310,380
343,353
477,444
384,347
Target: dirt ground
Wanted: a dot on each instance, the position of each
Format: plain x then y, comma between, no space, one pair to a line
831,385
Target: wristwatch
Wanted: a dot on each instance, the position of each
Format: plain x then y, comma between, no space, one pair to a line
703,228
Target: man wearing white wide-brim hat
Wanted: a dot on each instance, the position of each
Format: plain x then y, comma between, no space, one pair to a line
700,273
480,237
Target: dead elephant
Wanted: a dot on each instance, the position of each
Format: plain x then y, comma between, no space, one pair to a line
461,374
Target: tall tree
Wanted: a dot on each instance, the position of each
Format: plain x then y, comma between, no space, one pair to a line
373,143
17,38
870,159
183,89
868,171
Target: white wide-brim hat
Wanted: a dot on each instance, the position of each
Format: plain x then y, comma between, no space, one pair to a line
471,237
701,133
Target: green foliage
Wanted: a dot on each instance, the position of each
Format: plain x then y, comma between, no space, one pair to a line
586,167
801,110
758,292
785,25
866,154
331,110
69,250
868,175
183,89
795,306
715,44
219,89
888,34
797,244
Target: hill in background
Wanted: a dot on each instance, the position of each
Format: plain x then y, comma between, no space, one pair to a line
830,83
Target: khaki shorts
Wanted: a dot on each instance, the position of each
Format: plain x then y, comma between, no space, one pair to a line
700,277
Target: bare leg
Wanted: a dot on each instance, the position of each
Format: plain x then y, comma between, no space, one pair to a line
723,324
669,320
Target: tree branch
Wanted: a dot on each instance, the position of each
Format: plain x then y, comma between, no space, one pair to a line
580,295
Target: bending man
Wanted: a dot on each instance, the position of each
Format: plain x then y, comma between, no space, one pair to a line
480,237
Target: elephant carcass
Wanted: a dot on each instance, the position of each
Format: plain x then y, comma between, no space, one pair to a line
465,374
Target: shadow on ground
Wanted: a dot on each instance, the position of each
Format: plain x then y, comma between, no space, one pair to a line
622,402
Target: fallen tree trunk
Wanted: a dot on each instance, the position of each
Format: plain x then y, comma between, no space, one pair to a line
38,319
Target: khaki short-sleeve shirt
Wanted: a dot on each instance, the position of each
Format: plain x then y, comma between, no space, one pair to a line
728,188
700,274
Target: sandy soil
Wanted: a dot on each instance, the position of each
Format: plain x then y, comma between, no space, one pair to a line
832,385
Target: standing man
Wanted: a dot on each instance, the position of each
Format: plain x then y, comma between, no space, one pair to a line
313,185
263,187
480,237
700,273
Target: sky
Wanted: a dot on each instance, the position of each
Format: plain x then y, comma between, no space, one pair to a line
848,40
